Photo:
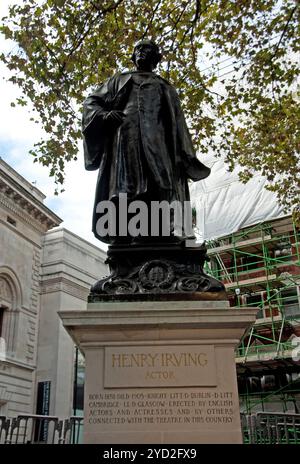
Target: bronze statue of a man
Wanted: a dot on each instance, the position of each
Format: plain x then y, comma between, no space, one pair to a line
136,135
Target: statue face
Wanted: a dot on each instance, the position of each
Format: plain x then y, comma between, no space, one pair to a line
145,56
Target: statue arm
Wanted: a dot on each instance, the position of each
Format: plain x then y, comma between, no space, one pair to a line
94,107
98,120
95,110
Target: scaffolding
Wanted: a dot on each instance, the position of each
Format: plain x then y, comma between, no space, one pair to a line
260,267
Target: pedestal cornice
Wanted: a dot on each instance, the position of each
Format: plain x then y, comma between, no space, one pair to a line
205,320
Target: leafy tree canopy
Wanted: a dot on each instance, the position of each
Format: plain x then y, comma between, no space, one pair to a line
242,103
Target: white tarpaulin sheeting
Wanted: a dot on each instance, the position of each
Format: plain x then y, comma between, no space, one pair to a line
225,205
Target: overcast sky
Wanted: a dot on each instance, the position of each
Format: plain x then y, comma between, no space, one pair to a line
18,135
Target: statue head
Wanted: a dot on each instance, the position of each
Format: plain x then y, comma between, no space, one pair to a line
146,55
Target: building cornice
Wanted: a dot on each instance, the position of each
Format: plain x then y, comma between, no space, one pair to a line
63,235
61,284
10,362
25,205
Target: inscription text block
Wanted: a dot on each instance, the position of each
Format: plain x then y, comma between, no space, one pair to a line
160,366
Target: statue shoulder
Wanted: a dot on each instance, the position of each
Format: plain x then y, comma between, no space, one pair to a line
118,80
167,84
111,85
169,89
122,75
165,81
125,73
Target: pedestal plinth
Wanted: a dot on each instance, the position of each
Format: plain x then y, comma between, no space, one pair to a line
160,372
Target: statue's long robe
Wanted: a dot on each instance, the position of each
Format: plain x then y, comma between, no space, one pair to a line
150,152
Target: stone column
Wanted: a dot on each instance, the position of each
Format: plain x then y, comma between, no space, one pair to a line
160,372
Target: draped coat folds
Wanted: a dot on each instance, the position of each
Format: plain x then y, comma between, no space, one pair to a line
152,146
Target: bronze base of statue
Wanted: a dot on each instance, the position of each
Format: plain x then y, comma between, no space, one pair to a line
157,272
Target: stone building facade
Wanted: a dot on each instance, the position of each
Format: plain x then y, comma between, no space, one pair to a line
69,267
42,271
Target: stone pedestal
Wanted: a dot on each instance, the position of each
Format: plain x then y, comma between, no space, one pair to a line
160,372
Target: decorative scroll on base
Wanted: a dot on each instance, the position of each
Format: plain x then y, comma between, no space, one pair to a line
159,270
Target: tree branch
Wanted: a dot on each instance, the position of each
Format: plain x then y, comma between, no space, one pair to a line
284,30
112,7
100,14
152,18
197,12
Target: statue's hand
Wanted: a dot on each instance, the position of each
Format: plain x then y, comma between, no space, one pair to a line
115,117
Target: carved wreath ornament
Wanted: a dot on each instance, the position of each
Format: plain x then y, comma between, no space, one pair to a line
156,276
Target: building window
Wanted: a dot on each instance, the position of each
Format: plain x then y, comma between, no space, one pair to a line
290,302
8,315
2,309
284,248
2,339
255,300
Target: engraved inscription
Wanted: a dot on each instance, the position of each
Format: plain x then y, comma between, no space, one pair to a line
168,366
189,408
